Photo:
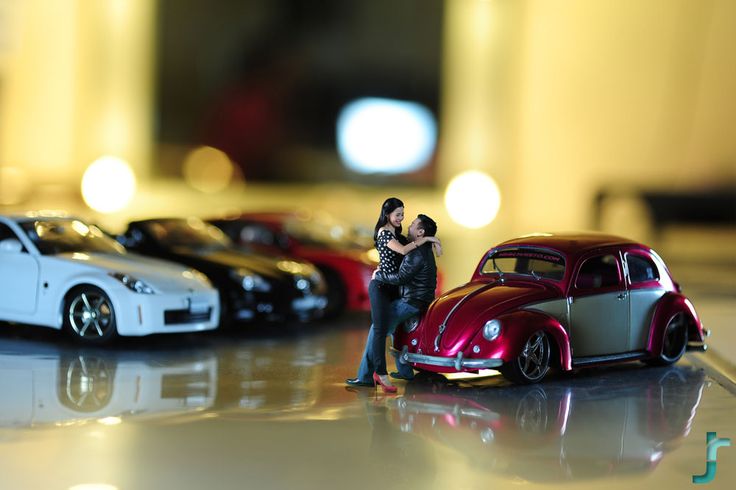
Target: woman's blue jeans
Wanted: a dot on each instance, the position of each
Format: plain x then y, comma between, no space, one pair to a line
386,314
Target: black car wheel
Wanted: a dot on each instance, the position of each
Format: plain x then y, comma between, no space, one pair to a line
532,364
675,342
89,315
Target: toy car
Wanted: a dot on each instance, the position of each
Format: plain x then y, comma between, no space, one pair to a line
345,260
60,272
251,286
556,300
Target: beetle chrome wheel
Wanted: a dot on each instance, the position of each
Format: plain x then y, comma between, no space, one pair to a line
674,343
89,314
532,363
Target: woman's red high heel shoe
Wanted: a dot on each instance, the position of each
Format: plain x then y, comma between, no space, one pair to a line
386,387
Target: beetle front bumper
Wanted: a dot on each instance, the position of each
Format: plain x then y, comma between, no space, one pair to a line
458,362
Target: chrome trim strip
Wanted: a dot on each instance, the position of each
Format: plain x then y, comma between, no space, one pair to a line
443,325
457,362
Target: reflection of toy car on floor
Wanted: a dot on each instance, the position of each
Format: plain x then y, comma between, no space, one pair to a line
346,260
587,427
564,301
60,272
58,385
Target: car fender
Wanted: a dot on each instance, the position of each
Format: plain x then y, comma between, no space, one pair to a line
668,306
516,328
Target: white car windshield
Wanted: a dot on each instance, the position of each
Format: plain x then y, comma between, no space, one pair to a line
538,263
53,237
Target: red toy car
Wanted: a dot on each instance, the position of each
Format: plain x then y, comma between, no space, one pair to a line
346,259
562,300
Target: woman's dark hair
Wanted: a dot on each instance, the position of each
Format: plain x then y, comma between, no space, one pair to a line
389,206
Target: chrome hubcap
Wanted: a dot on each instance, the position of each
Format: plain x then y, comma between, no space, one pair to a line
90,314
534,358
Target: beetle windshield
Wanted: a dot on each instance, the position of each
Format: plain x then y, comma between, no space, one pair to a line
62,236
537,263
188,233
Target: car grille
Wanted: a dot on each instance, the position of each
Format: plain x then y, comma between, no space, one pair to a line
186,316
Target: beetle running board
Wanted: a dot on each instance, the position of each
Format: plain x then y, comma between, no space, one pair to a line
626,356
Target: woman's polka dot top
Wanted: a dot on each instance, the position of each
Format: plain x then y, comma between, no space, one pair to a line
389,260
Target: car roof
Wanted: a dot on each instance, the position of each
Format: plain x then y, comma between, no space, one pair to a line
570,243
40,216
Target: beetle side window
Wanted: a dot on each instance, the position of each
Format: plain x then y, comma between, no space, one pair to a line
598,272
641,269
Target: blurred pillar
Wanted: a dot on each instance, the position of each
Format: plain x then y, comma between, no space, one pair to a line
478,97
477,127
76,83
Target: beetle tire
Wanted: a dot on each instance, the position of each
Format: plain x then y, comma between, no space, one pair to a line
532,364
674,343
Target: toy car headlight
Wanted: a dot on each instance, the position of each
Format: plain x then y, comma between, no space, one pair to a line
491,330
411,324
135,285
251,281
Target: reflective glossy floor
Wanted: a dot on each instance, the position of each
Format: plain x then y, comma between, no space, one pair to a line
268,409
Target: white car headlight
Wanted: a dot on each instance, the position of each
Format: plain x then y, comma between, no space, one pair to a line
491,330
251,281
132,283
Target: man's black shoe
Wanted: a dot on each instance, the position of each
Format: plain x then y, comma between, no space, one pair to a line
358,382
397,375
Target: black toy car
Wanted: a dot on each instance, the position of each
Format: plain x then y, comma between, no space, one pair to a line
251,286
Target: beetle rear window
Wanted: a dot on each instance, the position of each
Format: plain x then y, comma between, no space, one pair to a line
535,263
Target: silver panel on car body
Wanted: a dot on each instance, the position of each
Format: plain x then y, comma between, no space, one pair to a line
642,304
556,308
599,324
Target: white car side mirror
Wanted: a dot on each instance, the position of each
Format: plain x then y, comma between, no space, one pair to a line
10,245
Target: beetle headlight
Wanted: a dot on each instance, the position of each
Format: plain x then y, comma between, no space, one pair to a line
135,285
491,330
251,281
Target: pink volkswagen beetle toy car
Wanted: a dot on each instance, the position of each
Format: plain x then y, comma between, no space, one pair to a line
556,300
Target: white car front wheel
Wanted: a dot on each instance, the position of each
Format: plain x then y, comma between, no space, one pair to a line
89,315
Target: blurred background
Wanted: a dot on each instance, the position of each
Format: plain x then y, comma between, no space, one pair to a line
495,117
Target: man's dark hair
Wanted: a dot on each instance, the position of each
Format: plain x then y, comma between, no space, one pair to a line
427,224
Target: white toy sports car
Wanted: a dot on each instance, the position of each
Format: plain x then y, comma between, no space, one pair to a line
60,272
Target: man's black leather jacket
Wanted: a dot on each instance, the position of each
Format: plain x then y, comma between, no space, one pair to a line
417,276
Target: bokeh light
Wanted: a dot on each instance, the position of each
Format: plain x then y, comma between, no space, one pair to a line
108,184
208,169
472,199
384,135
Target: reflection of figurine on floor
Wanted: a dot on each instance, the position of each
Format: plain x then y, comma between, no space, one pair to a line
400,459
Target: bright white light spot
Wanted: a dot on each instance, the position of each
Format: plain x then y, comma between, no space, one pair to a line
383,135
472,199
110,421
108,185
208,169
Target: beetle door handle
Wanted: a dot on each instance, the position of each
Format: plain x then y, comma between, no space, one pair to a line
622,296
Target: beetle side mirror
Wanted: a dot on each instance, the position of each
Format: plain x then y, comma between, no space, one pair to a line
11,246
